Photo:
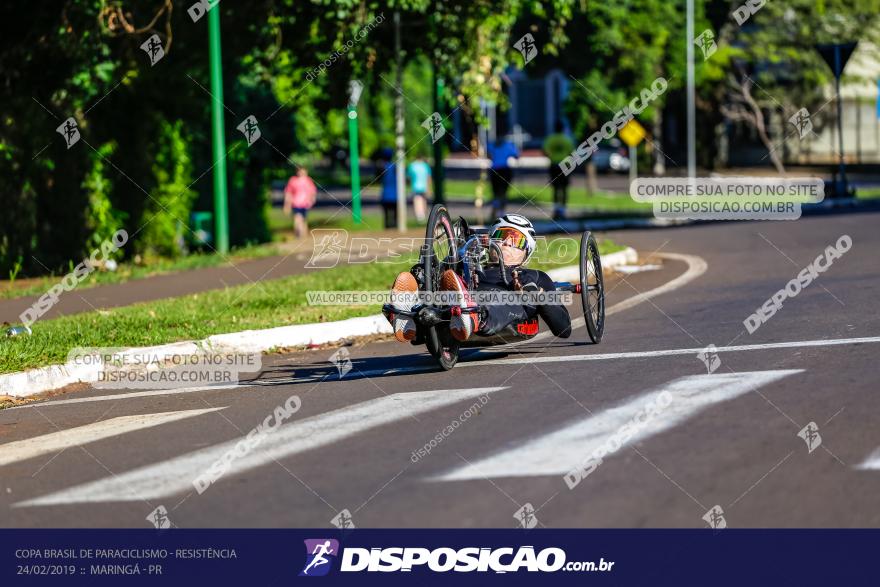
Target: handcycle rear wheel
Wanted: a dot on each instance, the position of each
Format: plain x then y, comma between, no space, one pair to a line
439,253
592,287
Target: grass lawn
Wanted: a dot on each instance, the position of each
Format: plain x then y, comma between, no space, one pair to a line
868,193
577,196
371,220
265,304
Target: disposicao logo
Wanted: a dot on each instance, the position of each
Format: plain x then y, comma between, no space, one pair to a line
320,554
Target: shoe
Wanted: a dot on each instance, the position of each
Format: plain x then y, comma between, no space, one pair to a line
462,324
404,295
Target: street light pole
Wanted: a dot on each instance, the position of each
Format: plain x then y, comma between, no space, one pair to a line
691,106
355,88
218,142
399,127
436,90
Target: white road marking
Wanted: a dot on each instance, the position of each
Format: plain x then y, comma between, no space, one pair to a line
672,352
22,450
630,269
151,393
176,475
872,463
567,448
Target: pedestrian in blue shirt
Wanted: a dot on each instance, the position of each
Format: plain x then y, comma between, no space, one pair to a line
389,193
501,175
419,174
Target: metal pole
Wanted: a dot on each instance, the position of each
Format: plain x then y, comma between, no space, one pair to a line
355,163
439,195
437,89
633,164
221,204
399,127
838,71
691,108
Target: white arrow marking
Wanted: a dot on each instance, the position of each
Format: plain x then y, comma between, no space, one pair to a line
177,475
22,450
565,449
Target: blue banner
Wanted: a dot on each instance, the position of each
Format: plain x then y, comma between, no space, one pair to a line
438,557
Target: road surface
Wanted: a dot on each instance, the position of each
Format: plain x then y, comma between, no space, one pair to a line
681,445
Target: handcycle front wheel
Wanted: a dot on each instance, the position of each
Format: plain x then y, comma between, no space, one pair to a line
439,253
592,287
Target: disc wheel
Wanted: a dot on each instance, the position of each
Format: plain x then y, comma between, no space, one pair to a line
592,287
440,253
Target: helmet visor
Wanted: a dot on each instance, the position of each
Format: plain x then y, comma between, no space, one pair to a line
510,237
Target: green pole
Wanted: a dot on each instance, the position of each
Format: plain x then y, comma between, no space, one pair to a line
221,221
355,163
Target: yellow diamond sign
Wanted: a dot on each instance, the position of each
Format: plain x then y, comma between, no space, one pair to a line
632,133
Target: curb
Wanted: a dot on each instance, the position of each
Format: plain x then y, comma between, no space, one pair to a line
53,377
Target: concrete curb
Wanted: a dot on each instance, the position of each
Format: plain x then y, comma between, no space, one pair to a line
43,379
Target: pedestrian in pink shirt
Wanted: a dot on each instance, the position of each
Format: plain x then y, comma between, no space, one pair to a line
299,195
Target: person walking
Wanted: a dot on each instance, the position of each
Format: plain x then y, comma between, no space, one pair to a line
299,196
502,153
557,147
419,174
389,192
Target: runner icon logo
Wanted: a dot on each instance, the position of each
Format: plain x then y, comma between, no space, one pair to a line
526,516
342,360
715,518
153,48
69,131
706,42
343,520
709,356
527,47
810,434
320,554
159,518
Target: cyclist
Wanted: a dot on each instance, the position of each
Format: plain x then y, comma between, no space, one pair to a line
516,237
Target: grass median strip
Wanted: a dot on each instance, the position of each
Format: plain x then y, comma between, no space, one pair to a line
265,304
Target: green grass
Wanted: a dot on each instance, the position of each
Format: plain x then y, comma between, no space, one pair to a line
335,218
868,193
130,271
577,196
266,304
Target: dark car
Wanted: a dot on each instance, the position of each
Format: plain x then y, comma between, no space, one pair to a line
612,156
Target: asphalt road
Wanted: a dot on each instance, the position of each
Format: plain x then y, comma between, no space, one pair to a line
689,441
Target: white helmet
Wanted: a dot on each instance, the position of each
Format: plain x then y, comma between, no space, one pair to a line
522,227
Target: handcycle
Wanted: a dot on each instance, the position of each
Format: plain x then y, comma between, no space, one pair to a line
466,250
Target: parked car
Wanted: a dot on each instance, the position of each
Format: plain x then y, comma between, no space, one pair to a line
612,156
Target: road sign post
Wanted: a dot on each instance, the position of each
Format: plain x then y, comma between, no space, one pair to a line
836,56
632,134
633,164
218,142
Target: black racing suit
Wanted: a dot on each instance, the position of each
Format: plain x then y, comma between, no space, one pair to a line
497,317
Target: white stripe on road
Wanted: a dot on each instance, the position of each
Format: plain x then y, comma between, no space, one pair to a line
176,475
155,392
673,352
569,447
22,450
872,463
